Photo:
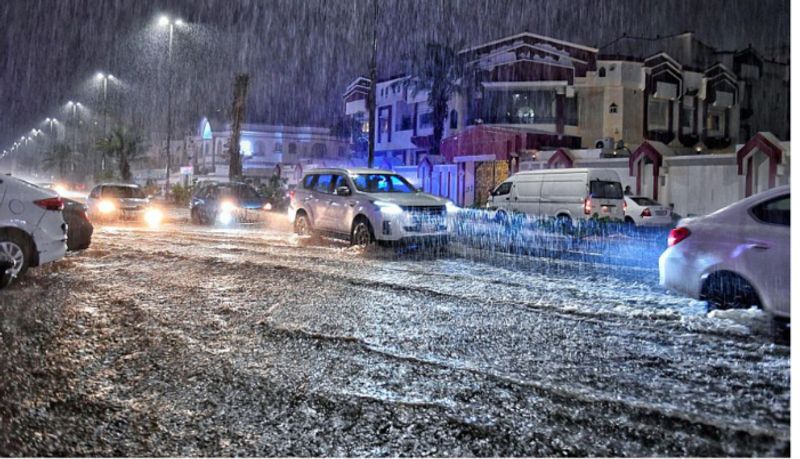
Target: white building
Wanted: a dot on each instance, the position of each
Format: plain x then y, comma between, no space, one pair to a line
264,148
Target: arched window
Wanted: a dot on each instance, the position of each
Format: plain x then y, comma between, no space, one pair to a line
278,147
602,72
453,119
612,108
292,148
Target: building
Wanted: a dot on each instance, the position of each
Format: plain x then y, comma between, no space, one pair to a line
533,94
265,149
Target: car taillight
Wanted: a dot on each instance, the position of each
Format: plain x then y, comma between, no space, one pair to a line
50,203
587,206
291,194
646,213
677,235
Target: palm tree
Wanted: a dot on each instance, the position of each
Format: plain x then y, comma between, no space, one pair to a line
123,145
438,71
60,159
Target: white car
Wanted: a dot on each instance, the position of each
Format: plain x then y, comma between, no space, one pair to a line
643,211
568,194
32,228
367,205
736,257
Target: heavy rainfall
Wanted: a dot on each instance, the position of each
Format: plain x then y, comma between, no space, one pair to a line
394,228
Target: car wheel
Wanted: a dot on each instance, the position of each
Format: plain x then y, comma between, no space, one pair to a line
501,216
629,222
362,235
14,249
564,223
302,225
726,290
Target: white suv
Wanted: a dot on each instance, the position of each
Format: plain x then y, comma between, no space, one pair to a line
367,205
32,228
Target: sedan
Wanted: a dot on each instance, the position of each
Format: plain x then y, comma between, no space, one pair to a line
736,257
643,211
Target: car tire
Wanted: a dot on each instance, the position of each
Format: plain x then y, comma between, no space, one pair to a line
302,224
564,223
727,290
362,234
501,216
16,249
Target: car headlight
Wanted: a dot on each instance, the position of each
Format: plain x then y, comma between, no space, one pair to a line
388,208
153,216
227,206
267,206
452,208
106,206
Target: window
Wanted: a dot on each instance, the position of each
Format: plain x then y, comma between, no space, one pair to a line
657,114
278,147
292,148
502,189
602,72
425,120
384,123
123,192
340,181
453,119
776,211
323,183
404,117
606,190
688,118
308,182
645,201
715,121
612,108
382,183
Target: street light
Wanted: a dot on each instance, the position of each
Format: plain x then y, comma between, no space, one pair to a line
165,21
74,106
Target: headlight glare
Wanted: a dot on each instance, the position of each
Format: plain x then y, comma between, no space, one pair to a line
389,208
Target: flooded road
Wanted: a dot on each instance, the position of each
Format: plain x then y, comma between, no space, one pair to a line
198,341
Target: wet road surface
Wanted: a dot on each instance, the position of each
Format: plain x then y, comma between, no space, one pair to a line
198,341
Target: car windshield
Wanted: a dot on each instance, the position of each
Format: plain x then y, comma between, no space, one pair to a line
123,192
239,191
606,190
382,183
645,202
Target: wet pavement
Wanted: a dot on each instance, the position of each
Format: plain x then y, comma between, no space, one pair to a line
252,341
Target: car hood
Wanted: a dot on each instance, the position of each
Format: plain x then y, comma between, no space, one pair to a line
132,202
408,199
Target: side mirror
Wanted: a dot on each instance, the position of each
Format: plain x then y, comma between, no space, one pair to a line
343,191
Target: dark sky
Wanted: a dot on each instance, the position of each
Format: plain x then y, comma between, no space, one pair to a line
300,53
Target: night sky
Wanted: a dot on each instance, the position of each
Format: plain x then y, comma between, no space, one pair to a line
300,54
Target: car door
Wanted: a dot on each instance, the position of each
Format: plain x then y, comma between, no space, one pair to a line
320,202
339,206
526,195
766,250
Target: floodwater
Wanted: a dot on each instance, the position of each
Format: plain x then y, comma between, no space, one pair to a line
252,341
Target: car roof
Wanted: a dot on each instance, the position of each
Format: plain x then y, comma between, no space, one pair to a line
349,171
126,185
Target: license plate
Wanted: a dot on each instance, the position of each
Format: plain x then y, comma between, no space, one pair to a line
661,212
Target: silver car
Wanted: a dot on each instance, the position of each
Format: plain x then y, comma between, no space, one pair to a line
367,205
122,201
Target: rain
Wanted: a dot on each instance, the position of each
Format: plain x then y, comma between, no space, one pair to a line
184,329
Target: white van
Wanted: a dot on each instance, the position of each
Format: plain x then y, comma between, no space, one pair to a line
564,193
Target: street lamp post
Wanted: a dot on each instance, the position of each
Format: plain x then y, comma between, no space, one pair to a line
164,22
74,106
104,78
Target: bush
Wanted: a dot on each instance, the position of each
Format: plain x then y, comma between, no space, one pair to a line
181,194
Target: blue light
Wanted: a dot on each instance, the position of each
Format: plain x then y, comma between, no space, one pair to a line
207,131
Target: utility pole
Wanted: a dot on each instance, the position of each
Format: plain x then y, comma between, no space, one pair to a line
373,76
165,21
239,97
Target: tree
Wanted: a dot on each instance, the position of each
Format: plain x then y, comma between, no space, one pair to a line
440,72
124,146
60,159
239,96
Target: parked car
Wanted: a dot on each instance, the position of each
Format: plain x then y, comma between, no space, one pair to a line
122,201
79,227
736,257
569,194
224,203
643,211
32,228
367,205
